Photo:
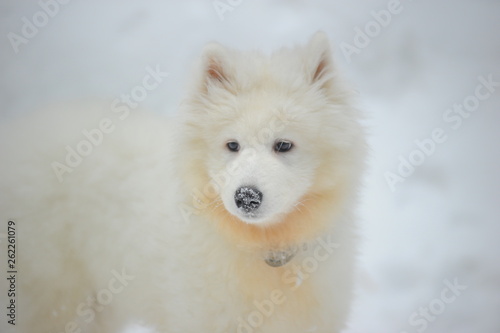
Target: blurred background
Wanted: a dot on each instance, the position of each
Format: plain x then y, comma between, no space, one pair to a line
430,229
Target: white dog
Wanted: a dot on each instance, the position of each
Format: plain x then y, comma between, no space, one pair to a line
238,217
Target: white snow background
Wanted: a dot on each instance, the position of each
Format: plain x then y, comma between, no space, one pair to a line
441,223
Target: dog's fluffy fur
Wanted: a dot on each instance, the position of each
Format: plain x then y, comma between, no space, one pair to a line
154,203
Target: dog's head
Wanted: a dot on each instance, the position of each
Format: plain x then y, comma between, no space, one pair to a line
270,139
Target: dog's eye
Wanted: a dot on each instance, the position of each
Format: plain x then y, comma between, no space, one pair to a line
233,146
282,146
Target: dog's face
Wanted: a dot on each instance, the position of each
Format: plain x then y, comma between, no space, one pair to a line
260,162
267,131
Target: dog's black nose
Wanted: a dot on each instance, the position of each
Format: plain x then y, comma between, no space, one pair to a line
248,198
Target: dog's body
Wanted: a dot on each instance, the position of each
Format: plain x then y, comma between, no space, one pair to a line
239,219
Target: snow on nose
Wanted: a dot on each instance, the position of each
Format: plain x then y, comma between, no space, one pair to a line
248,199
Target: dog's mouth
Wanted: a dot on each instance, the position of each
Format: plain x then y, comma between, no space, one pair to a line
251,215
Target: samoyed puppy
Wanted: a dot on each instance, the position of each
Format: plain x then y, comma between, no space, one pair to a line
237,216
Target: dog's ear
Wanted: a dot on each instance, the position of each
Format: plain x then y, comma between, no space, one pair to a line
214,66
321,67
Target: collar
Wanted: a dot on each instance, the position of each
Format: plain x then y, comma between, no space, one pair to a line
278,258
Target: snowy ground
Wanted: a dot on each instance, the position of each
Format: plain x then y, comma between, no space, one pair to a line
442,223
